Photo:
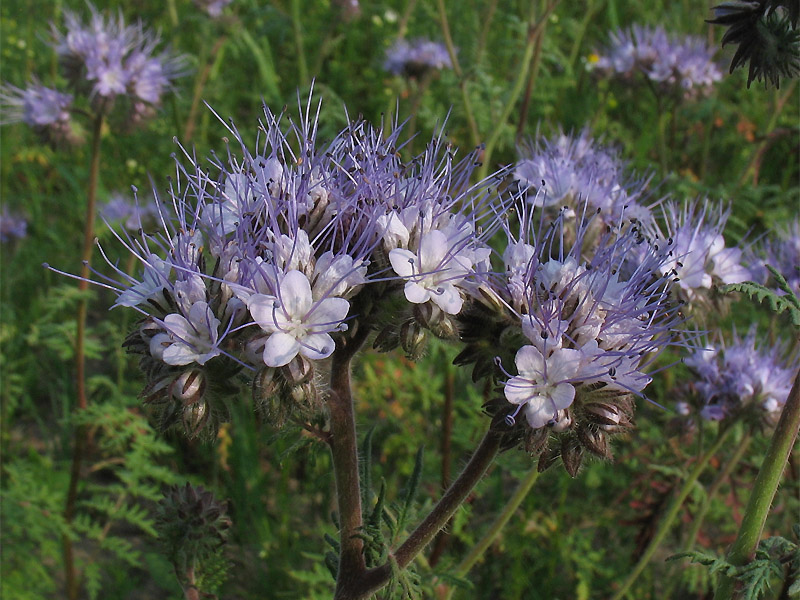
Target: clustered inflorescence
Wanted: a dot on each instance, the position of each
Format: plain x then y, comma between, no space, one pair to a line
739,378
270,260
681,66
106,61
416,58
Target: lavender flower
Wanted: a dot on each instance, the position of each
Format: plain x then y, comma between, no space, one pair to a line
416,58
44,109
267,259
132,214
782,252
741,379
582,333
114,59
12,226
677,65
569,170
214,8
694,249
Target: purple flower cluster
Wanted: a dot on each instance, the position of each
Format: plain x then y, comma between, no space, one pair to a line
572,171
271,257
676,64
781,252
416,58
12,226
106,60
44,109
694,249
132,214
741,379
583,332
214,8
114,59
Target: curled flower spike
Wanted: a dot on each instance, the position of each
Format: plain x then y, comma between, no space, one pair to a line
694,249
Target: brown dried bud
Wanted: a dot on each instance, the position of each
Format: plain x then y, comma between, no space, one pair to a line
595,441
571,455
536,439
413,338
605,416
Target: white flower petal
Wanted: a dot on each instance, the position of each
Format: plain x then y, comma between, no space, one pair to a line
530,362
518,390
404,262
416,293
317,346
295,295
280,349
330,312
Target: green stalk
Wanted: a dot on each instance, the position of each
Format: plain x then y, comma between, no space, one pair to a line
302,66
534,31
671,513
462,83
697,523
764,488
499,523
79,444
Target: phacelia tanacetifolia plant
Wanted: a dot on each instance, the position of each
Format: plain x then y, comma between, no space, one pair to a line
274,266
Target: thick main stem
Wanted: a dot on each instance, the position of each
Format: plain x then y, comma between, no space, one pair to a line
671,513
79,443
344,453
764,488
374,579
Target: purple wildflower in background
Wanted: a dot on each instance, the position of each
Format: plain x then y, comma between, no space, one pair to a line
569,170
417,57
132,214
12,226
214,8
45,110
741,378
108,58
781,251
680,65
694,248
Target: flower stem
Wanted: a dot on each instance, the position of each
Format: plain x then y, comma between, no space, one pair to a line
344,454
535,30
374,579
764,488
671,513
79,444
489,537
700,516
462,82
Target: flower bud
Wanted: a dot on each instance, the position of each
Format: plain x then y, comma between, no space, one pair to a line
298,371
605,416
265,386
413,338
571,455
189,386
195,417
595,441
562,422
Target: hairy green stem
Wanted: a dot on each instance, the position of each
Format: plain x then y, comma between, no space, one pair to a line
764,488
499,523
343,444
672,511
79,443
374,579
